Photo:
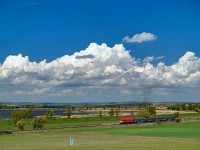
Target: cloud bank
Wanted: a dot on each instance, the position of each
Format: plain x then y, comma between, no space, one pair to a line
140,38
100,73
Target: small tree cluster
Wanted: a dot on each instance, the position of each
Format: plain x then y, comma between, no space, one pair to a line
191,107
22,114
114,111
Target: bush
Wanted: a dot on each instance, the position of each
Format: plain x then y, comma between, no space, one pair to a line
173,107
152,110
29,113
38,122
190,107
143,113
18,115
117,111
198,110
69,112
49,113
100,113
20,124
178,108
176,114
183,107
111,112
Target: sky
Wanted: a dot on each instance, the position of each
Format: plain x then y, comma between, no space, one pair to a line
99,50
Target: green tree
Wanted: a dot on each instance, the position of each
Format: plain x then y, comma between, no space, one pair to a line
29,113
117,111
100,113
143,113
69,112
38,122
183,107
49,113
173,107
178,108
111,112
152,110
17,115
1,105
21,124
190,107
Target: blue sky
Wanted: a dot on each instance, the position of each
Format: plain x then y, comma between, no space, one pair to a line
51,29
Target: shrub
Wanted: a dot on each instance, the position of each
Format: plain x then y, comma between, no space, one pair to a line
69,112
100,113
198,110
173,107
183,107
152,110
38,122
178,108
176,114
117,111
29,113
111,112
143,113
190,107
49,113
17,115
21,124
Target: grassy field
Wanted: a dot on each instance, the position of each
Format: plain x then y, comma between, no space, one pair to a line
76,122
176,130
172,136
62,123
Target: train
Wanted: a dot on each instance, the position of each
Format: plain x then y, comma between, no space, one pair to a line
147,120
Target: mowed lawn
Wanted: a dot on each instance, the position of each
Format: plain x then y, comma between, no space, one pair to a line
172,136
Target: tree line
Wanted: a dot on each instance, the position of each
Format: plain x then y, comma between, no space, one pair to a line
21,117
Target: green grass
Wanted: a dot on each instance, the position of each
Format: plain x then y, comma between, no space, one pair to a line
176,130
169,136
172,136
62,123
75,122
188,115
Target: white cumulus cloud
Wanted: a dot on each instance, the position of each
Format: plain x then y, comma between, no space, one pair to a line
100,73
140,38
